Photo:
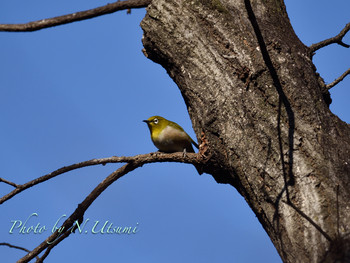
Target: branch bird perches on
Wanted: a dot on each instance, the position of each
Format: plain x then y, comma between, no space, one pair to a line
137,160
77,216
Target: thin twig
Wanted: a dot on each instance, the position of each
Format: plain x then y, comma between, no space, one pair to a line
142,158
78,16
8,182
336,81
338,39
16,247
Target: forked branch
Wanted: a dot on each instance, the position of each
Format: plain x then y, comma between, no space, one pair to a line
78,16
77,216
338,39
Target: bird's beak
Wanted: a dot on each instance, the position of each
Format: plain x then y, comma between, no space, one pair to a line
146,121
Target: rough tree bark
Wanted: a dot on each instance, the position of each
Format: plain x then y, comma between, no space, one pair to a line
253,94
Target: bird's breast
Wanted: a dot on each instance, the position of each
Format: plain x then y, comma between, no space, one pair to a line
172,140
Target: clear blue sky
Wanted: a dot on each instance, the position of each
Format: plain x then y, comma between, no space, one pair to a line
80,91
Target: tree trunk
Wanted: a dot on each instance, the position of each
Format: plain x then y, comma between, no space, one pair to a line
253,95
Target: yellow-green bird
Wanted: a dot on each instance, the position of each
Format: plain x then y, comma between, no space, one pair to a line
168,136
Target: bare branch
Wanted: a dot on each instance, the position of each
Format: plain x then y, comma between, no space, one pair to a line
17,247
77,216
142,159
13,246
336,81
78,16
8,182
338,39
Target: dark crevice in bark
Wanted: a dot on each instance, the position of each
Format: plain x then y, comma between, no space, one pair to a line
287,170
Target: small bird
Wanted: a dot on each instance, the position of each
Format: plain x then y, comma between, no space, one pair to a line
168,136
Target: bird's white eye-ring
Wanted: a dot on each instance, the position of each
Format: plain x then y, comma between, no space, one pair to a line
155,121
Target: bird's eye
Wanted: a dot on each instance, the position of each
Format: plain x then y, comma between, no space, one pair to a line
155,121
